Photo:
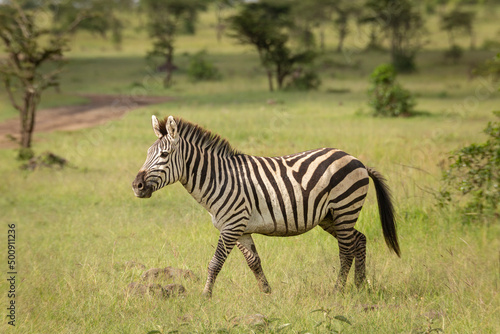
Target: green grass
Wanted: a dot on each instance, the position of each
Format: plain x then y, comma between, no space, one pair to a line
78,226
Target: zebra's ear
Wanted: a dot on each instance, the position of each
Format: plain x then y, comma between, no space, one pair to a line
156,127
171,126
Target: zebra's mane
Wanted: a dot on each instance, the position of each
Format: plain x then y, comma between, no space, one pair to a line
201,136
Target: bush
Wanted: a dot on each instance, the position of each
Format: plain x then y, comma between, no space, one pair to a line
387,97
454,53
25,153
304,80
200,69
474,176
404,63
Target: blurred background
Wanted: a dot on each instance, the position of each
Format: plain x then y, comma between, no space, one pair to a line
408,87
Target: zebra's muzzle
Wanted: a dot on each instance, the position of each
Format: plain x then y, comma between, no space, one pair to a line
141,189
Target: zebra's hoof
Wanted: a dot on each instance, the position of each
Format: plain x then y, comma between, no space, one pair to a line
339,288
266,290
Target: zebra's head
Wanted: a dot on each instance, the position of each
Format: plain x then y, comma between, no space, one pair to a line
162,166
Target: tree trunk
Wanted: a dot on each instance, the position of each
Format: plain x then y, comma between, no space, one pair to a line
322,38
280,76
268,70
220,23
28,118
472,45
220,31
451,38
395,45
169,67
374,42
342,36
280,79
270,79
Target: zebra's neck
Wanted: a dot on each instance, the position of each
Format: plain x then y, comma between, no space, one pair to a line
210,168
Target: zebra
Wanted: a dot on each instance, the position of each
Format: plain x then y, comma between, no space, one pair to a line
273,196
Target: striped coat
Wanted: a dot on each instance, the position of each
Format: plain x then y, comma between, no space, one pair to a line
278,196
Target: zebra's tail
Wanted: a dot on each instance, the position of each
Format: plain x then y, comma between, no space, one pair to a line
386,210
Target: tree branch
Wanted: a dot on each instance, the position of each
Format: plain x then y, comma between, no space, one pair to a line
71,28
11,94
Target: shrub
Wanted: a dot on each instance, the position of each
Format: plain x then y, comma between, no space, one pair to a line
25,153
404,63
387,97
474,176
454,53
200,69
304,80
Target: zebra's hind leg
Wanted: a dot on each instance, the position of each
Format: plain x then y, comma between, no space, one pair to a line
224,246
352,244
360,255
247,247
346,257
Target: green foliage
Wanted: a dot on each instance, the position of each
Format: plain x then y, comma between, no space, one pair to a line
30,46
78,226
25,153
267,26
163,21
304,80
454,53
101,17
489,67
200,69
387,97
330,323
404,62
457,21
404,25
474,174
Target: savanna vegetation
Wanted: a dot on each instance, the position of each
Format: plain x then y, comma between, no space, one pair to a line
78,226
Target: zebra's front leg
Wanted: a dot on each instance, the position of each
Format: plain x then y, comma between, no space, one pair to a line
224,246
247,247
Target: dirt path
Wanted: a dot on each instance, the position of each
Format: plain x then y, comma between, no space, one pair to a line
100,109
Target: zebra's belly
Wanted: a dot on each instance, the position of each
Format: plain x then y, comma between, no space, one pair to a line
266,226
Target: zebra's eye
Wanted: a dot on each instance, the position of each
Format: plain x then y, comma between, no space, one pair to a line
164,154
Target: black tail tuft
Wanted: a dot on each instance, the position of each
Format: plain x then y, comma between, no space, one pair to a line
386,210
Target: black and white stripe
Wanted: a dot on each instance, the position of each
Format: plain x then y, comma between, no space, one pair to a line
278,196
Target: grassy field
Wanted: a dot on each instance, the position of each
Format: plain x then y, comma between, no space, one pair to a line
76,228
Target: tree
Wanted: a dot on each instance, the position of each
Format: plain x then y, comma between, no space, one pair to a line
367,17
308,15
344,10
30,47
220,7
319,13
403,25
457,21
104,18
267,25
164,17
